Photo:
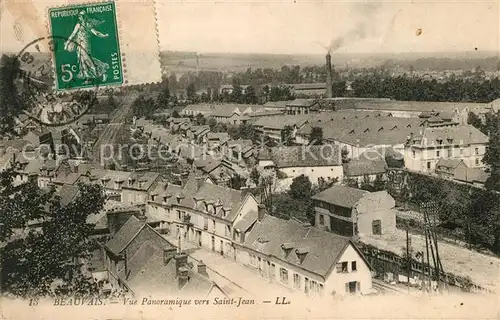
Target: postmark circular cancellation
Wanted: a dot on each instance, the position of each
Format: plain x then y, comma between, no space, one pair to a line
85,56
36,94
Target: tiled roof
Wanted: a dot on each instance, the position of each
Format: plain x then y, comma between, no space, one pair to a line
275,104
368,163
324,249
17,144
306,156
143,181
456,135
341,196
148,273
123,237
246,222
415,106
227,197
302,103
448,163
68,193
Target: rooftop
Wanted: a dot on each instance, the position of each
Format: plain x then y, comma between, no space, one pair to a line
322,249
305,156
341,196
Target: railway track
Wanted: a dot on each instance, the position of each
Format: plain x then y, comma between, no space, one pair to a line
108,135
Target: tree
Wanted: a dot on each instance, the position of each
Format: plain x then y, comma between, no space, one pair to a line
191,92
344,153
300,188
255,176
492,154
47,260
175,114
163,99
379,183
212,123
237,93
251,95
286,135
200,119
316,137
9,107
246,131
237,182
475,121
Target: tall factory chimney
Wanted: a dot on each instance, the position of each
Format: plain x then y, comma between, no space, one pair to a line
328,75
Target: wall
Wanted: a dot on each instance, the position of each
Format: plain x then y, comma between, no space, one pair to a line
375,206
337,281
134,196
313,173
467,153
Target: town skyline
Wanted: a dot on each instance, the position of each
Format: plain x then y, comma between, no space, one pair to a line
304,28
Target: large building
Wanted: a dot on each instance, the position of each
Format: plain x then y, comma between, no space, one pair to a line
424,150
304,258
351,212
321,161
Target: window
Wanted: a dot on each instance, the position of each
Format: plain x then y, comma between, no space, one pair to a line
296,281
353,266
179,215
413,153
476,150
376,227
437,153
449,153
283,275
477,161
352,287
321,219
342,267
461,151
428,164
306,286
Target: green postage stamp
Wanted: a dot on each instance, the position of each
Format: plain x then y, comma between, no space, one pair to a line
86,46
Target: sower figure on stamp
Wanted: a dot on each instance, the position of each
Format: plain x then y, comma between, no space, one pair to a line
90,67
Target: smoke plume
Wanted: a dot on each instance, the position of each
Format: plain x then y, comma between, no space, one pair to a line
366,12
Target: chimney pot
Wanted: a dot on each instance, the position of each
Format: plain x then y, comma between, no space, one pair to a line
180,261
142,217
168,254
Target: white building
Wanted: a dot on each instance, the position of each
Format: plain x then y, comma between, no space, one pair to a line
304,258
423,151
322,161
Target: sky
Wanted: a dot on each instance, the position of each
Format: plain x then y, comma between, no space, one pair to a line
295,27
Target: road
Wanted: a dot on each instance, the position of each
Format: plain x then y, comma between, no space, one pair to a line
109,133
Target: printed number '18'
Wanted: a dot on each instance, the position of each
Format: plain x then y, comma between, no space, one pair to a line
67,72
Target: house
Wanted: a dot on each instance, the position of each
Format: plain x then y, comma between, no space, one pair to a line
138,186
198,134
302,106
446,168
207,214
367,167
357,132
276,106
140,261
322,161
348,211
423,151
302,90
305,259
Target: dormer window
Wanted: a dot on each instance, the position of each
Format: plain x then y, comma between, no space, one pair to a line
449,140
287,247
440,141
131,182
301,253
153,197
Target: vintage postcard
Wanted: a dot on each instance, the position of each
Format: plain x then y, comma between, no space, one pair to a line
249,160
